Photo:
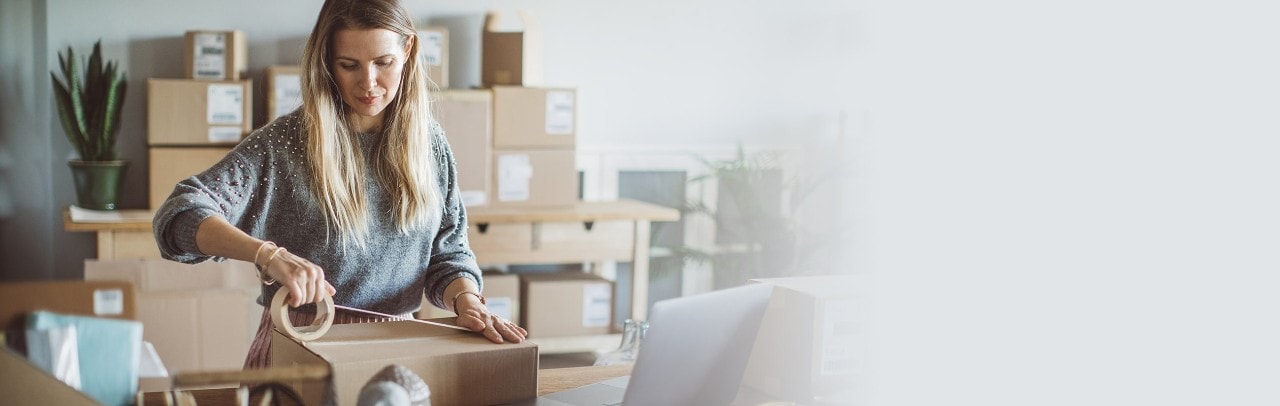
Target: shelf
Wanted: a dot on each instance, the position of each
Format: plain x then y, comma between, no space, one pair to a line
590,343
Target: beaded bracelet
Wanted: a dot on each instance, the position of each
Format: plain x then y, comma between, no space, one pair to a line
466,292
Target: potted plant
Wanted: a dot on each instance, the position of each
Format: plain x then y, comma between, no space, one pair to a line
89,107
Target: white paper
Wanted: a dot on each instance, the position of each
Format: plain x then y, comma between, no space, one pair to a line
559,112
431,47
83,215
837,338
210,56
224,134
474,198
499,306
108,302
225,104
149,364
514,173
288,94
56,351
597,300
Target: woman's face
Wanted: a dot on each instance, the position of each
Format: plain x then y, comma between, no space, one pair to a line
367,65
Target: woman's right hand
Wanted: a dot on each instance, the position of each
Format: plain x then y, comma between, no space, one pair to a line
304,279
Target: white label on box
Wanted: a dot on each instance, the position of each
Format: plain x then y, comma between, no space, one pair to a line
224,134
431,47
474,198
559,112
499,306
514,172
597,300
108,302
837,338
225,104
210,56
288,94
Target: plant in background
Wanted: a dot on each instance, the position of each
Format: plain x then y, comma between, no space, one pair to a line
89,106
756,234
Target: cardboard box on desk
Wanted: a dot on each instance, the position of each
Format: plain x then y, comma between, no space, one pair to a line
806,344
566,304
534,178
284,90
460,368
512,57
501,293
215,55
170,165
467,119
184,112
199,317
530,117
433,48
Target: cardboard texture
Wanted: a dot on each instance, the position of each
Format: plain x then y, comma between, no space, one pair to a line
805,345
460,368
528,117
22,383
114,299
198,317
284,90
511,57
215,55
186,112
501,293
566,304
170,165
433,48
467,118
534,178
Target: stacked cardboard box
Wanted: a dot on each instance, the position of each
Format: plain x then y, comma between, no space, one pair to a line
534,147
284,90
501,292
805,347
566,304
467,119
193,121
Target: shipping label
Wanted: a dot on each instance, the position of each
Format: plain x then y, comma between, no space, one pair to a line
597,301
108,302
431,47
514,174
225,104
559,112
210,56
287,92
223,134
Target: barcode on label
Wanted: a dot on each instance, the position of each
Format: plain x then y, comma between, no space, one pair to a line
108,302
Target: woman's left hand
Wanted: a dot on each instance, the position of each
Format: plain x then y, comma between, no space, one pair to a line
475,315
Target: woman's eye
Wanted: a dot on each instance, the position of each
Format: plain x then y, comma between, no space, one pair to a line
385,62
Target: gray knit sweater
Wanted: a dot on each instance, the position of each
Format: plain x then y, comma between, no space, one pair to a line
262,188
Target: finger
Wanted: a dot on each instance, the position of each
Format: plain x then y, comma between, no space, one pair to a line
321,285
472,320
491,332
507,333
329,287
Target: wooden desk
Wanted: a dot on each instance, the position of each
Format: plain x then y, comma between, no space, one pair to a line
549,381
584,232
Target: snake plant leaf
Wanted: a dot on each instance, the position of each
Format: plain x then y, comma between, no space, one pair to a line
90,106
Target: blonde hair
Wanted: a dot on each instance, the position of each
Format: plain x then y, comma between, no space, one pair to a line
405,160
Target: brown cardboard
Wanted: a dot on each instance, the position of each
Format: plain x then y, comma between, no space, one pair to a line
170,165
460,368
284,90
534,178
433,48
805,345
529,117
22,383
220,55
199,317
501,292
511,57
467,118
566,304
179,110
112,299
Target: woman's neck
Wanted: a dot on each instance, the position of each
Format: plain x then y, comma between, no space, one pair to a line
368,125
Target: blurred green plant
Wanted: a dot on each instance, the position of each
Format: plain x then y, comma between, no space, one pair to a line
89,105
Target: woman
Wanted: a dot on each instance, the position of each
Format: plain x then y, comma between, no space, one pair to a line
354,195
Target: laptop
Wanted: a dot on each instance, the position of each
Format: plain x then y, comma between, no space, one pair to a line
693,354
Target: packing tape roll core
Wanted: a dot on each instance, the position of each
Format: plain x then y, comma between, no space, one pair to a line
280,317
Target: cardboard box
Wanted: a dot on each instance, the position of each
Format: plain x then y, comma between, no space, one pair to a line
198,317
198,112
566,304
467,118
806,344
23,383
170,165
284,90
511,57
460,368
534,178
526,117
433,48
501,294
215,55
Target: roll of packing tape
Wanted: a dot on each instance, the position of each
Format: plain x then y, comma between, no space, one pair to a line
280,317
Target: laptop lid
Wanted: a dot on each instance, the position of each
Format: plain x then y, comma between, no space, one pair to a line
697,347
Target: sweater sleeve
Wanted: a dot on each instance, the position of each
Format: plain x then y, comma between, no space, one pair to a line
451,255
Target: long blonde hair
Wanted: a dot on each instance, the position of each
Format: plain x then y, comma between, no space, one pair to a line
405,160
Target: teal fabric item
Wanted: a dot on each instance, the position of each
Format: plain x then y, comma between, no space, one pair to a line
109,350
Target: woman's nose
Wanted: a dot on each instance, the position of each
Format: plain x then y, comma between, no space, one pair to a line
370,78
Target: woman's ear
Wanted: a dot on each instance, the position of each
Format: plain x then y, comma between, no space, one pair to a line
409,44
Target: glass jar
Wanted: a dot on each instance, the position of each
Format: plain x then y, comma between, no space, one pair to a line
633,332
